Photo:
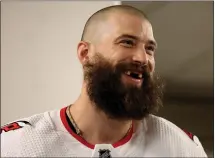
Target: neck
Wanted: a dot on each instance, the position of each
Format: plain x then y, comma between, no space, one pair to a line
95,126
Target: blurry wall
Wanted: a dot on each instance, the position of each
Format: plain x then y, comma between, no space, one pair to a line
39,67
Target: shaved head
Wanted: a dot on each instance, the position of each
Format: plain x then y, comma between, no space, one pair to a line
117,51
92,27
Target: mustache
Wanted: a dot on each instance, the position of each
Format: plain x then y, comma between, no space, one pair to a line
118,68
133,66
123,65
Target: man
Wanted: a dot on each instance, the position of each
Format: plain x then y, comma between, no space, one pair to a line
113,115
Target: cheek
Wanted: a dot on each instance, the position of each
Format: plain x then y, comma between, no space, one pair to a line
152,64
117,55
120,53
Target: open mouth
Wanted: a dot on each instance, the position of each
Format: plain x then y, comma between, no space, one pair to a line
134,75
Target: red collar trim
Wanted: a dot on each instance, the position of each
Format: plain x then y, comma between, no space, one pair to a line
81,140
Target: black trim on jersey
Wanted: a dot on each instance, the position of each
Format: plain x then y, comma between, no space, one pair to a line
70,123
25,122
14,126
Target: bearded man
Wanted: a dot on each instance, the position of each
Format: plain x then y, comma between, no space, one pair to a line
113,116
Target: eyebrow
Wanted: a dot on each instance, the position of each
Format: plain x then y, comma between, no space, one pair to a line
151,42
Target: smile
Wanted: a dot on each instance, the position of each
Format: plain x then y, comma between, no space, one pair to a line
134,77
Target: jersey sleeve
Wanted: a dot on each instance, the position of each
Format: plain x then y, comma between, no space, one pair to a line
11,138
199,150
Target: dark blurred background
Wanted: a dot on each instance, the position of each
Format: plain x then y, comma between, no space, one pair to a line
184,32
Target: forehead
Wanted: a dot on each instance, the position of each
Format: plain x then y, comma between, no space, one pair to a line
122,23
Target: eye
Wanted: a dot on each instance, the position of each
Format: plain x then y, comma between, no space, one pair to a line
150,49
127,43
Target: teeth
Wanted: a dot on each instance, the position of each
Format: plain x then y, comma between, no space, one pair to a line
128,72
139,74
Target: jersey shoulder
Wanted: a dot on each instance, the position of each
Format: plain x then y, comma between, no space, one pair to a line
23,136
187,144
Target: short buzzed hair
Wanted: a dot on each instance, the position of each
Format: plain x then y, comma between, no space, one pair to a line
102,15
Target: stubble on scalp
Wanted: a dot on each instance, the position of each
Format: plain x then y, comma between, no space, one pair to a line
93,28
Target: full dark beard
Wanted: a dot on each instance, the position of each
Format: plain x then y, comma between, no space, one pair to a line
119,100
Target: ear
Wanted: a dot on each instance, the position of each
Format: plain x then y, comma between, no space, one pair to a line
83,52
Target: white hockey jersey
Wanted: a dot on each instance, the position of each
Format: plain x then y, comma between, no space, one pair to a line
49,135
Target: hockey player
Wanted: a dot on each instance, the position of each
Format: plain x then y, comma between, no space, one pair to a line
113,116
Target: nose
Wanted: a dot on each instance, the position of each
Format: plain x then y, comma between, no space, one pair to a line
141,57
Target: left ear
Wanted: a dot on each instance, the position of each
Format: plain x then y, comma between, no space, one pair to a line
83,52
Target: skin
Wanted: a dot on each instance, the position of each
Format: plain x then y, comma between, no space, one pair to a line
94,124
